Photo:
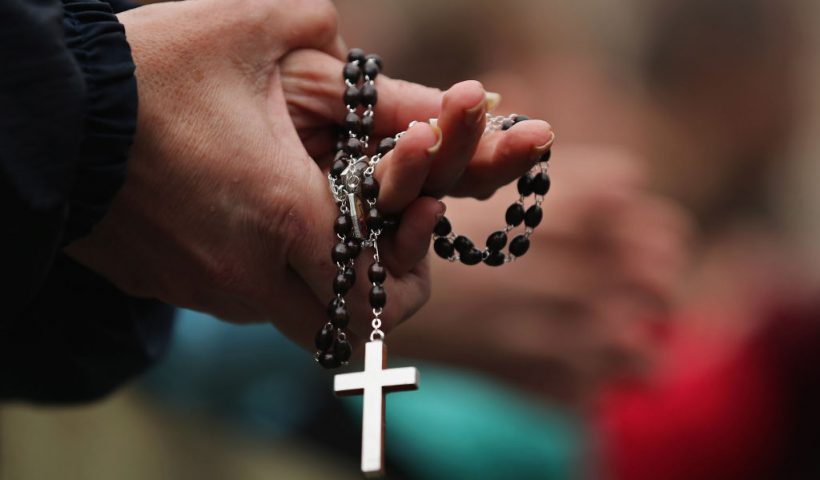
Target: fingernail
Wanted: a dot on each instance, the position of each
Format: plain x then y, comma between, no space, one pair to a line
492,99
540,150
442,210
475,113
434,149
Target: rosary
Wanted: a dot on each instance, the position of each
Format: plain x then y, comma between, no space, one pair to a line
359,226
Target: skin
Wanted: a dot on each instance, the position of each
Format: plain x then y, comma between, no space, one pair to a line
226,207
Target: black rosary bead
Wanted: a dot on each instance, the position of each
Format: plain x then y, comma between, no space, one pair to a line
533,216
369,96
374,57
340,253
546,157
378,296
371,69
353,123
353,147
495,259
328,360
338,167
515,214
443,247
541,184
519,245
525,185
520,118
352,96
331,306
370,188
496,241
343,225
341,284
507,124
339,316
375,221
367,125
385,145
355,247
443,227
352,72
391,224
340,145
350,273
342,350
472,257
377,273
356,55
462,244
324,337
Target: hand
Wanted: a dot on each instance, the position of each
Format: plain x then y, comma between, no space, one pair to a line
225,210
605,263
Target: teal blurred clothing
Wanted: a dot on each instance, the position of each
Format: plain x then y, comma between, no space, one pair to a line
456,426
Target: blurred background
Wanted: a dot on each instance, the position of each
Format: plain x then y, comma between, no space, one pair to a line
659,327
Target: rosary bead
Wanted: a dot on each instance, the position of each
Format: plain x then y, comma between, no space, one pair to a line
370,187
352,72
519,245
339,316
376,273
463,244
340,253
353,123
506,124
324,337
342,350
350,273
385,145
371,69
525,185
541,184
391,224
375,221
356,55
443,247
328,360
378,297
376,59
515,214
351,97
520,118
342,225
333,304
338,167
355,247
533,216
367,125
443,227
353,147
341,284
546,157
495,259
496,241
472,257
340,145
368,94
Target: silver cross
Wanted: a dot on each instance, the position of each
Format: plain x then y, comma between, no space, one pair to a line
374,382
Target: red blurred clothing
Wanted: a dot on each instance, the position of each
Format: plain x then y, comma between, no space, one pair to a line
744,414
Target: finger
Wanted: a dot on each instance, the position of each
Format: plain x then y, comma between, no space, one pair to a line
402,172
409,245
504,156
313,82
462,121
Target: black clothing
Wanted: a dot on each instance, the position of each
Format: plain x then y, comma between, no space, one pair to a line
68,110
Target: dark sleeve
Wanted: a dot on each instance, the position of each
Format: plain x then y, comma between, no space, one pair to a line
68,103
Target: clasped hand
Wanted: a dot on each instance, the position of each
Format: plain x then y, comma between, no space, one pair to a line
226,207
